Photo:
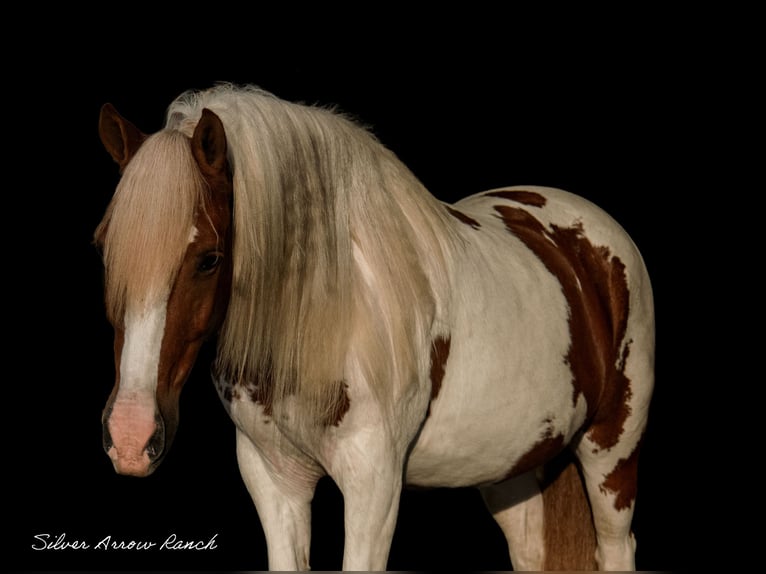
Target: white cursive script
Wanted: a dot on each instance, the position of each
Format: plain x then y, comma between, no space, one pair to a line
46,541
173,543
49,542
107,543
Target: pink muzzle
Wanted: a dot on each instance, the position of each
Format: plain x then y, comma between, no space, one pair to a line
134,436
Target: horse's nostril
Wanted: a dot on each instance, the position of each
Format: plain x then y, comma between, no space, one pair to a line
156,444
106,438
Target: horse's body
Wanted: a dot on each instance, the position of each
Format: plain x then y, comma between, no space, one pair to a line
371,333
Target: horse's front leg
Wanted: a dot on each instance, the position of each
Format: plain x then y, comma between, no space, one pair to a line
283,502
370,478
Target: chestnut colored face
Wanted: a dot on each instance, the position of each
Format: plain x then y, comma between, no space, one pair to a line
157,339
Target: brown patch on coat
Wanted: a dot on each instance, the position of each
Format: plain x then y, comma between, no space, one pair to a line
606,430
335,400
622,481
459,215
262,394
439,355
227,391
520,196
338,404
595,287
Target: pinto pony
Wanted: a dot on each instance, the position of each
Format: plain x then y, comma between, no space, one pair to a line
369,332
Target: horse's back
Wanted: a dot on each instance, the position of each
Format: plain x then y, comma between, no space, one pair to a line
562,209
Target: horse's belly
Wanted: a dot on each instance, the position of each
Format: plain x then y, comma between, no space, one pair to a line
506,403
487,441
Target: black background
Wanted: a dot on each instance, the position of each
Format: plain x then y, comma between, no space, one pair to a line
626,114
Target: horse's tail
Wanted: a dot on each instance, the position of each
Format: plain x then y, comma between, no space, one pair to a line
570,538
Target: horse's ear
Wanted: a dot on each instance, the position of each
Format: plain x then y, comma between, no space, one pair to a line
120,137
209,147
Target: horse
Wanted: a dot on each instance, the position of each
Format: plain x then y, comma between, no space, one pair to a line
367,331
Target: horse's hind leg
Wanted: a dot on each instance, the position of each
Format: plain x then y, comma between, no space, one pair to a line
608,450
517,506
611,484
610,471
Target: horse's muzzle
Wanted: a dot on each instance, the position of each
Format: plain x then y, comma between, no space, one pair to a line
133,437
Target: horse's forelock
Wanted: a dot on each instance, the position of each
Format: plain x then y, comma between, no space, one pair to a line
147,227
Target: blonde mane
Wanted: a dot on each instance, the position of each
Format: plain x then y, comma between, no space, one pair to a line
338,252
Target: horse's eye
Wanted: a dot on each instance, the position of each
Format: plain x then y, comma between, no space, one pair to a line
209,262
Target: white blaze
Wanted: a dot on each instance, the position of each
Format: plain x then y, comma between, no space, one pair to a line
141,352
132,421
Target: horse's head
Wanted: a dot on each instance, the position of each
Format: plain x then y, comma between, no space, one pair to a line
166,240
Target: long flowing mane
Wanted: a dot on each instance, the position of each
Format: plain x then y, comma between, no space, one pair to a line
336,245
